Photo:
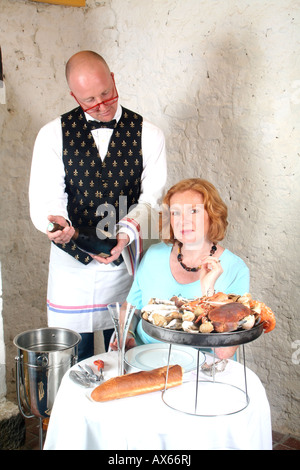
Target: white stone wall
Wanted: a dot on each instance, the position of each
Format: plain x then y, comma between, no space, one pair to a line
222,79
2,349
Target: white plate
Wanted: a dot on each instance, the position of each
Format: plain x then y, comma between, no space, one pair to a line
152,356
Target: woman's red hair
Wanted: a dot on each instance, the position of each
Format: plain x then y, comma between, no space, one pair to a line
213,204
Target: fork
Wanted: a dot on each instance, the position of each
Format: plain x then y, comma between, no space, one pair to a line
100,366
89,373
92,373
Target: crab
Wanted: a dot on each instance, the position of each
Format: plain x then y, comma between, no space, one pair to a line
229,317
213,317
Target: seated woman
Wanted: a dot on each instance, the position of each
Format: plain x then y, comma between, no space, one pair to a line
189,262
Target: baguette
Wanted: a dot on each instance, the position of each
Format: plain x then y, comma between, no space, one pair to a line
137,383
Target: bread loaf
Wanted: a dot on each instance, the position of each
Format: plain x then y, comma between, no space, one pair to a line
137,383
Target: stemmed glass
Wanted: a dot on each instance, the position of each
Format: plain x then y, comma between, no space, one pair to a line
121,317
114,310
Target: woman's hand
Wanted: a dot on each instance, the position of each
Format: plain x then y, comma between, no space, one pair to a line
226,353
130,343
211,270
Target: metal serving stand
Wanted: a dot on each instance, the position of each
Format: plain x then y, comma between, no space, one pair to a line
211,341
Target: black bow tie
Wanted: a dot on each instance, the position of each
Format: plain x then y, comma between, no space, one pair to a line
102,125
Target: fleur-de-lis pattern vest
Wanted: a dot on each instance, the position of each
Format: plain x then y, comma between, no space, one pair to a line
95,187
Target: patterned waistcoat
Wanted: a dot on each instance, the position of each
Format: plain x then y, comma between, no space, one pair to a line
95,187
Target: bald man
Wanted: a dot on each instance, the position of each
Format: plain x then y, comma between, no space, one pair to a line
89,167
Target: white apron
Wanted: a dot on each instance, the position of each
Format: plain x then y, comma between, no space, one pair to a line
78,295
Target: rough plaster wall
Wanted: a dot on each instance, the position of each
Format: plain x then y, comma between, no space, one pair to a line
222,79
2,350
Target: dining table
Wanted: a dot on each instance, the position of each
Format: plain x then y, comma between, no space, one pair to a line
231,414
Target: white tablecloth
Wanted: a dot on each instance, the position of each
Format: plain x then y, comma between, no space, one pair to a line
145,422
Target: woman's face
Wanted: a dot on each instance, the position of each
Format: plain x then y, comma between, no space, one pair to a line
189,219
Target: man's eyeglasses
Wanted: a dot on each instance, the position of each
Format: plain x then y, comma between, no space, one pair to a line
108,102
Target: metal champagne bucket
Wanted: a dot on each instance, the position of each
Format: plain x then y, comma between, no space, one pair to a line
44,356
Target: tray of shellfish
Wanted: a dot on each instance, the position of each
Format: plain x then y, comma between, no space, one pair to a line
217,321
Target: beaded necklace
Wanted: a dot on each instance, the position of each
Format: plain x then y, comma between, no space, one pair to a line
187,268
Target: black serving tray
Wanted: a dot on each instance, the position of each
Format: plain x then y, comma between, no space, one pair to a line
202,340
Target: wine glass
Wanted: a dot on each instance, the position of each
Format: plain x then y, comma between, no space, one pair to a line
114,310
121,317
129,312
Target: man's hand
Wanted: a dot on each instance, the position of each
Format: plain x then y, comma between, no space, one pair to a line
122,241
60,236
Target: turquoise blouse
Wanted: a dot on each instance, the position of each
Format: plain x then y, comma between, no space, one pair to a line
154,279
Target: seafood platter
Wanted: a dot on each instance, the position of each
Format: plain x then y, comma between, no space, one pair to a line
217,321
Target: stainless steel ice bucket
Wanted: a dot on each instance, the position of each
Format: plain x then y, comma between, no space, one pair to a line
44,356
